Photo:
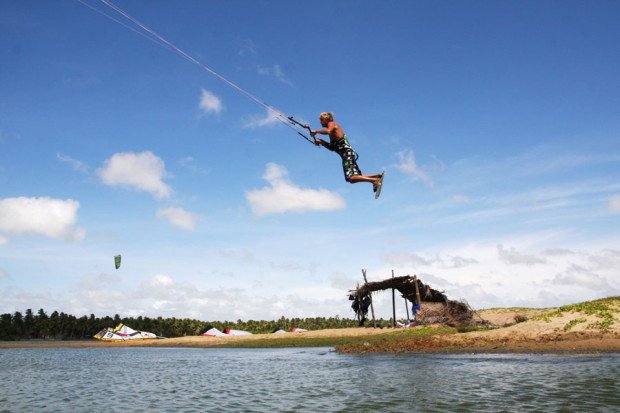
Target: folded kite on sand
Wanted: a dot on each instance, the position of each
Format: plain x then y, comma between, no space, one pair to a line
124,333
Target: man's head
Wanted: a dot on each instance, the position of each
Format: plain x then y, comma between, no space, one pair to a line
325,118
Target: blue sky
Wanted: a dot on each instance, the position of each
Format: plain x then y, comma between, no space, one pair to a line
497,123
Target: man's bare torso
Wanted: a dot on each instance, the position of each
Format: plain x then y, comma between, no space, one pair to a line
335,132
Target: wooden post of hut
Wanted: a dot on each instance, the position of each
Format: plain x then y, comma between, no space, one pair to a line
372,307
393,305
417,290
417,293
358,313
406,308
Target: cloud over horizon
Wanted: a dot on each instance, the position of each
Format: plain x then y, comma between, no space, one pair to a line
508,276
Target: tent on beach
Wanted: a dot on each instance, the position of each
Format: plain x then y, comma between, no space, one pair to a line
211,331
298,330
230,332
124,333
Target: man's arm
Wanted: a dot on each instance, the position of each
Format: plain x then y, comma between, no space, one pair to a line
320,131
321,142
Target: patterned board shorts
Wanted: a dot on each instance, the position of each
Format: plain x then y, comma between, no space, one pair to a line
349,158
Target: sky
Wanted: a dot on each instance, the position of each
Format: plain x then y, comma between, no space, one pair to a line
497,125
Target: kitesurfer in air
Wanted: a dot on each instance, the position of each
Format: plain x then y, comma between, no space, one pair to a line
338,143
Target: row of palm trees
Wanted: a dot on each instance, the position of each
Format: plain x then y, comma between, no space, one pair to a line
62,326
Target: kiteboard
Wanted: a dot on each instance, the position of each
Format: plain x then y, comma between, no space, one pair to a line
377,188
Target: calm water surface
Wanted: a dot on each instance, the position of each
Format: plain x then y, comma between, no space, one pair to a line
309,379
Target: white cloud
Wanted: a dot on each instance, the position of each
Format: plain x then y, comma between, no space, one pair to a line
49,217
178,217
606,259
284,196
247,47
166,296
577,275
3,241
461,199
99,281
75,164
189,163
406,258
160,281
141,171
461,262
242,288
512,256
270,118
342,281
558,252
567,276
614,204
209,102
417,260
408,166
277,72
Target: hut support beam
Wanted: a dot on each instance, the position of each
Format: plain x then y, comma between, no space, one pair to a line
372,306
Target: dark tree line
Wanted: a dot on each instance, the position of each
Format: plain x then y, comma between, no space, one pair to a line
61,326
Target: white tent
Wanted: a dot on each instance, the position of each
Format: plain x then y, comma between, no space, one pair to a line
237,332
213,332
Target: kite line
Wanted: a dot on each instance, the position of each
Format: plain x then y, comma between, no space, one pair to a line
161,41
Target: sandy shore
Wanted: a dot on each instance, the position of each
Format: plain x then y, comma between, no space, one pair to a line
532,335
199,341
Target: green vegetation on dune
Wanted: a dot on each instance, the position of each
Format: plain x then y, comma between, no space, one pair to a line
398,341
604,309
510,309
389,340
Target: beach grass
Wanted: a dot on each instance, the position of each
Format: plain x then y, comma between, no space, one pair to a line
605,310
378,340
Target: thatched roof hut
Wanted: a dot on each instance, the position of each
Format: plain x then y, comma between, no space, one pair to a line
435,307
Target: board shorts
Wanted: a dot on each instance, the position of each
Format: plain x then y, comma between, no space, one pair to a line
349,158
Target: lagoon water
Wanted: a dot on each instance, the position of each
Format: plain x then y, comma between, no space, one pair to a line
306,379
